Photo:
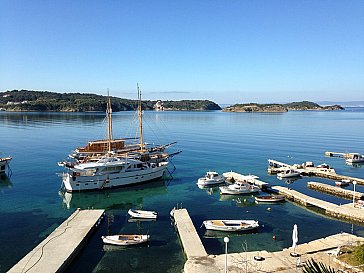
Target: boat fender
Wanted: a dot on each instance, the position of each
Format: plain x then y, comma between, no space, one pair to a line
274,237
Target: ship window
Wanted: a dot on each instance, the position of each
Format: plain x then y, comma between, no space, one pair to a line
77,184
3,167
95,183
86,184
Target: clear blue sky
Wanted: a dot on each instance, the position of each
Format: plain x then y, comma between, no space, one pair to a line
227,51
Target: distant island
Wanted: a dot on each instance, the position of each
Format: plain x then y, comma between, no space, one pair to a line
278,108
25,100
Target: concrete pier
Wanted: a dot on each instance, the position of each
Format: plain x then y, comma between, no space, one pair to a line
276,167
336,154
191,242
346,212
280,261
338,177
333,190
56,252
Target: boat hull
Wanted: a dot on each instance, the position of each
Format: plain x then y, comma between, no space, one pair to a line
143,214
107,181
209,182
125,240
226,190
270,199
231,225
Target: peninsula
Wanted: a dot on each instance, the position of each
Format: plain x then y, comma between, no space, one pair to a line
25,100
275,107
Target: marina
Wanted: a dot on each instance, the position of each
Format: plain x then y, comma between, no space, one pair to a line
31,209
56,252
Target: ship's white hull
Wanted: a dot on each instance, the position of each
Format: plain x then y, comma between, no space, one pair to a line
111,180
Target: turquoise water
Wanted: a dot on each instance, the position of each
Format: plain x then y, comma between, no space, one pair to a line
31,207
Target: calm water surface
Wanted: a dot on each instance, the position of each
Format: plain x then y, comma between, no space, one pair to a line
31,206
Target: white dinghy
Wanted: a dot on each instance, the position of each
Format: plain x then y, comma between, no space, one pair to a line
143,214
231,225
125,240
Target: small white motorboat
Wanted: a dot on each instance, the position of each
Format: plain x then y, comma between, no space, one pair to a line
125,240
239,188
211,178
342,183
231,225
270,198
143,214
289,173
355,158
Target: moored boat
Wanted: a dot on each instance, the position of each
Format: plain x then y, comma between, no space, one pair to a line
289,173
211,178
342,183
4,163
239,188
125,240
231,225
270,198
143,214
355,158
111,169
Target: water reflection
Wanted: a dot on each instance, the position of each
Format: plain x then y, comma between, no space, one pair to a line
354,165
289,180
123,198
240,201
5,182
43,119
210,190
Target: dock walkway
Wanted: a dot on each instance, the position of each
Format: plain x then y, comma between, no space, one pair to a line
198,261
345,212
56,252
191,242
280,261
276,167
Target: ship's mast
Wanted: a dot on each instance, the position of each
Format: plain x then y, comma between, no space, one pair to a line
140,115
109,121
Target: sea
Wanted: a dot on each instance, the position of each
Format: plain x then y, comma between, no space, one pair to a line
31,205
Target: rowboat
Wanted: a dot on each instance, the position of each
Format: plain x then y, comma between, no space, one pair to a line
270,198
125,240
143,214
231,225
